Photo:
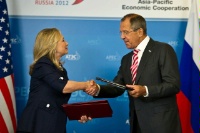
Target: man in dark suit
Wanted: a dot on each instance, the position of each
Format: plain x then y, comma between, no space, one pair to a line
153,107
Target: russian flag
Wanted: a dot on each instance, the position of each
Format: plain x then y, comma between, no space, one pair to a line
188,98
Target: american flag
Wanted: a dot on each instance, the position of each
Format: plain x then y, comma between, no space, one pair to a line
7,96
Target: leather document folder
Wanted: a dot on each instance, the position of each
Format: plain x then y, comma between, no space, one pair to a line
93,109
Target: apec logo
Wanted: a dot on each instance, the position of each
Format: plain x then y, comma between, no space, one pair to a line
78,96
173,43
15,40
21,91
115,57
73,57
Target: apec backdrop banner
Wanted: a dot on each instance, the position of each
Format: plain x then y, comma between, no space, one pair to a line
100,8
91,27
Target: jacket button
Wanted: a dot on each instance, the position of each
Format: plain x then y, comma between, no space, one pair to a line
48,105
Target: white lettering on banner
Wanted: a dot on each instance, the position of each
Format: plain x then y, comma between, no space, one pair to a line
116,57
78,96
173,43
74,57
127,122
22,91
15,40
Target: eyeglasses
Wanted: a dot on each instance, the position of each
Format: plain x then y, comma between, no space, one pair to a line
126,32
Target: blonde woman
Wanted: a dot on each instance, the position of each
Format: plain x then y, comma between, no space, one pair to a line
49,86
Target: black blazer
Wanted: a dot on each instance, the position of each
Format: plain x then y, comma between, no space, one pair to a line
158,70
43,112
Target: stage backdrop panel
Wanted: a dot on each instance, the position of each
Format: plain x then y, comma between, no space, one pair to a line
91,27
95,49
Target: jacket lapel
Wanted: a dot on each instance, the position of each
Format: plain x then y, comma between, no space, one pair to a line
129,70
146,54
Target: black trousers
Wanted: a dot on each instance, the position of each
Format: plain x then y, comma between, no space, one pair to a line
136,126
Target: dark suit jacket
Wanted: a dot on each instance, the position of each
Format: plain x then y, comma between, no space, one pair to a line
43,112
158,70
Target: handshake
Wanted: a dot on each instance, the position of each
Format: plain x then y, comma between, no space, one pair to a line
91,88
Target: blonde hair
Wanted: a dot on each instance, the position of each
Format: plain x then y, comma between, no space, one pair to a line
45,45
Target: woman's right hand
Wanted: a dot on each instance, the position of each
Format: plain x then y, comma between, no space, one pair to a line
92,88
84,119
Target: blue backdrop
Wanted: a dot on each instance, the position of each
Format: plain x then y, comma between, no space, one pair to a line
95,49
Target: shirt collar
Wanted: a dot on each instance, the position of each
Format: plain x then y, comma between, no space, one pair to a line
143,44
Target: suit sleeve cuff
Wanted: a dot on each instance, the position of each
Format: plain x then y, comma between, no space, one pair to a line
147,92
98,90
